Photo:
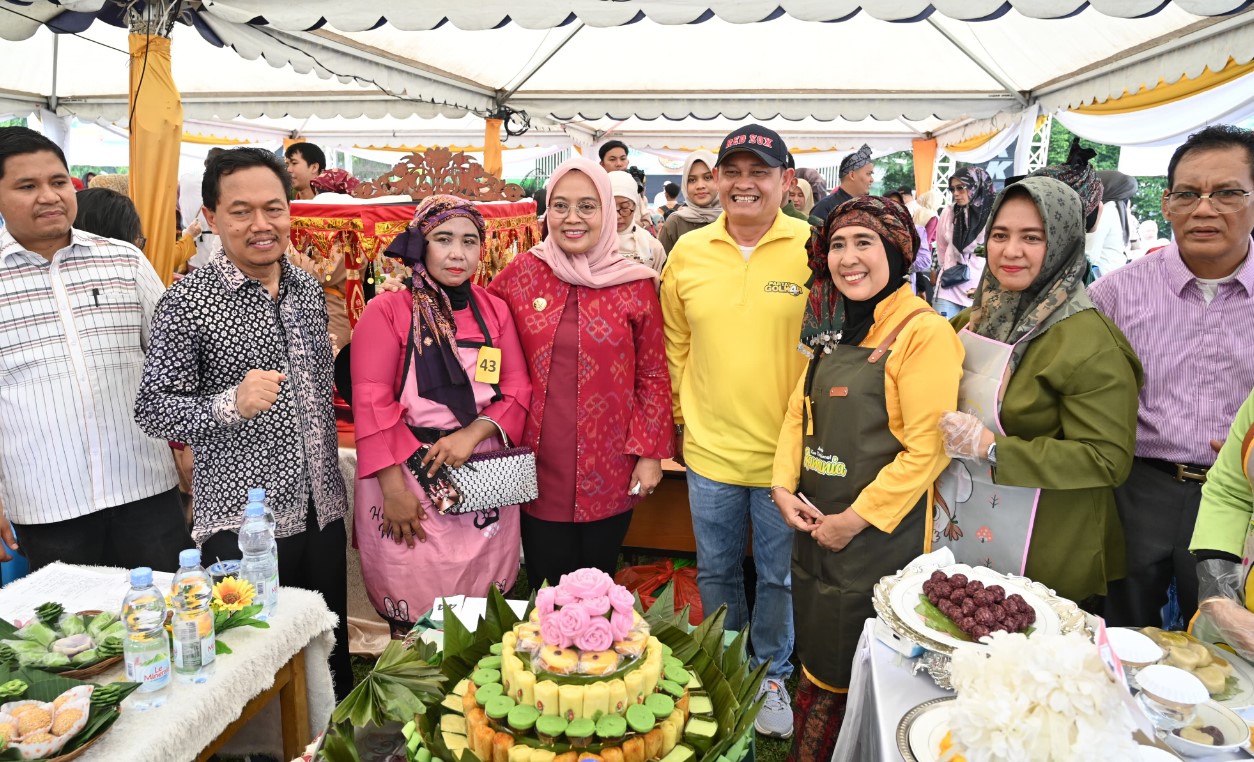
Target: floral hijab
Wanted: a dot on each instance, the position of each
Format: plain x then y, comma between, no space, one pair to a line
969,220
1017,317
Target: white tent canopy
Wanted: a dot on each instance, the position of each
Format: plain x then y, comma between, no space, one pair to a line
390,72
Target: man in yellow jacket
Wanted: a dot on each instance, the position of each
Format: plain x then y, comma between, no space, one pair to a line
733,294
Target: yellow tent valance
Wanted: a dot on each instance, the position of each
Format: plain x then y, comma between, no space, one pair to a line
1162,93
972,143
421,149
212,140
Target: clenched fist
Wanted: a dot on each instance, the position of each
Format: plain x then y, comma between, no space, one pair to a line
257,392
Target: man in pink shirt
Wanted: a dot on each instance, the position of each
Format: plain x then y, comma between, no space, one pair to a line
1188,310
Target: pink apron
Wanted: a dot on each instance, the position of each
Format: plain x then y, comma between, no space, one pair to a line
996,528
463,554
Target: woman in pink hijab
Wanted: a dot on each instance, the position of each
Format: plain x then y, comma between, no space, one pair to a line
600,418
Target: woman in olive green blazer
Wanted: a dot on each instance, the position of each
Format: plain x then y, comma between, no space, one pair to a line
1070,403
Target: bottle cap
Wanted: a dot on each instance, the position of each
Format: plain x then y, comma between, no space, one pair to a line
141,577
254,509
189,557
257,495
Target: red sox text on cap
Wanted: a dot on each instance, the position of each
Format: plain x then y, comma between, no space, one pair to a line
751,139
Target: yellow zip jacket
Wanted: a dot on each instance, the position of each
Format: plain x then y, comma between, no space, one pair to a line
732,330
920,383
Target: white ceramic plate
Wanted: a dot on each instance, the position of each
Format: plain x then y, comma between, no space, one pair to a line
1243,672
920,732
904,597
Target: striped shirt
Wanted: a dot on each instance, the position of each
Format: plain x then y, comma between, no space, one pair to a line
1197,358
73,333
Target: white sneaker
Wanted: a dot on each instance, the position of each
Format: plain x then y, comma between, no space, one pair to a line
775,718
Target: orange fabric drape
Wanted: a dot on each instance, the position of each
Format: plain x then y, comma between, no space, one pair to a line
156,130
924,164
492,147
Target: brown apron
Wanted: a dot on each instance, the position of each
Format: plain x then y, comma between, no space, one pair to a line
842,454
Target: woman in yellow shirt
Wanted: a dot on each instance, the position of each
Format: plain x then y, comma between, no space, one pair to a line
861,444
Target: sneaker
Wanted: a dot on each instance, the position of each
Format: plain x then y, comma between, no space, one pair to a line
775,719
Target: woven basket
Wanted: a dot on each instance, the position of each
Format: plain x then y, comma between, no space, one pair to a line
82,749
99,667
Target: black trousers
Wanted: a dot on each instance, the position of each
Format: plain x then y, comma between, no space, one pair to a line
147,532
554,548
316,559
1158,514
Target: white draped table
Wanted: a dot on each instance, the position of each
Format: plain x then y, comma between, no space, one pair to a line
271,695
882,689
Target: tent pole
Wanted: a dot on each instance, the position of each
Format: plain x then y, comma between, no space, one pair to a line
52,99
1005,83
510,93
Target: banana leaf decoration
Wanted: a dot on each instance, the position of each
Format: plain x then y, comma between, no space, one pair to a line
415,699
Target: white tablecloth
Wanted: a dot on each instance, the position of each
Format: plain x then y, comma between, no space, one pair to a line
882,690
195,715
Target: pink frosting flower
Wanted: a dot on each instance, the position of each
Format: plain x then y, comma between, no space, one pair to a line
545,600
620,625
571,621
562,596
598,606
597,636
587,583
552,634
621,599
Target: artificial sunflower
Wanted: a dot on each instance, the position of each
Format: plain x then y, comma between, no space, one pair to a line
233,594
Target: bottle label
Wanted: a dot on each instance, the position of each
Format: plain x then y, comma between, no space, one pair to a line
194,642
148,663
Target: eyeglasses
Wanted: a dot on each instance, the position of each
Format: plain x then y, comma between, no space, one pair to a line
1228,201
626,208
585,209
959,187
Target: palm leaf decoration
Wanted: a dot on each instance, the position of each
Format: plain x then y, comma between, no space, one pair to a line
409,683
401,684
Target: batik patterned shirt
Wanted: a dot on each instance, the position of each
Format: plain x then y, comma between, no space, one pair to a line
210,329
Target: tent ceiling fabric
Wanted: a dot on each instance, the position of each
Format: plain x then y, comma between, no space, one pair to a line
564,61
531,14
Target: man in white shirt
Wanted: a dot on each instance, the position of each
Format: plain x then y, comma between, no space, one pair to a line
78,479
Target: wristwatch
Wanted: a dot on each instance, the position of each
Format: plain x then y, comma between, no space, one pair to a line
991,455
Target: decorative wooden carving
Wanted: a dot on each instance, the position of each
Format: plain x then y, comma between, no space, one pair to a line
436,170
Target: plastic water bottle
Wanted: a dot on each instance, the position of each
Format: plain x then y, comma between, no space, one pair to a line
258,495
146,649
194,641
259,559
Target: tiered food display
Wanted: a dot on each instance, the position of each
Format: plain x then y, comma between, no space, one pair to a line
583,677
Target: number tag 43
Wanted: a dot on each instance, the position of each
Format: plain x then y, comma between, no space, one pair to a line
488,365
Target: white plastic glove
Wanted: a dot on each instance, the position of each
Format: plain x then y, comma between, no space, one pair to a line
1221,616
962,432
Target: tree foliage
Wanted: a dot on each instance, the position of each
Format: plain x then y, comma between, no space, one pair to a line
892,172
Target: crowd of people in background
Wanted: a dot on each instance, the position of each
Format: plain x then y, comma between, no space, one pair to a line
827,366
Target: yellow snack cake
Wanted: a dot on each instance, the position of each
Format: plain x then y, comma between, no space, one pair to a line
525,688
596,701
571,700
618,696
547,698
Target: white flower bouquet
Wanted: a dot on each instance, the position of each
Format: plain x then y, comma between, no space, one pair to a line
1039,700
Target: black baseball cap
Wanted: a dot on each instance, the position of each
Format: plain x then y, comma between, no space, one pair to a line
765,143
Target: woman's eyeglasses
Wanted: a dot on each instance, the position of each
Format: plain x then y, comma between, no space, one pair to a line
1227,201
626,208
585,209
959,187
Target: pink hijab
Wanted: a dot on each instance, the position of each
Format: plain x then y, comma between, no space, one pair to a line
602,266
